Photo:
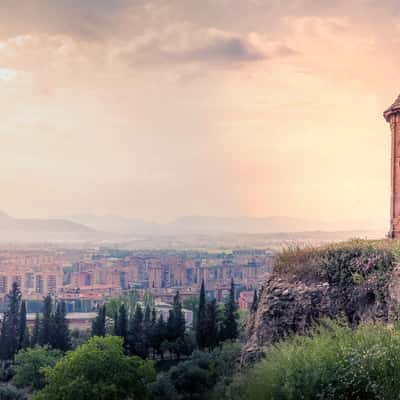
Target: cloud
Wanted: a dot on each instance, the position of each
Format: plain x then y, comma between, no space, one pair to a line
225,49
7,74
89,19
190,44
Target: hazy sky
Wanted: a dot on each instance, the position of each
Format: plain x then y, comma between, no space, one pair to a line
157,109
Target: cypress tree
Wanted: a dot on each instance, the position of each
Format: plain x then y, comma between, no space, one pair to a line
46,323
211,324
99,323
116,324
179,325
35,331
171,336
147,328
6,350
147,315
201,320
160,334
61,338
22,331
230,326
136,335
254,304
123,323
152,331
9,338
27,339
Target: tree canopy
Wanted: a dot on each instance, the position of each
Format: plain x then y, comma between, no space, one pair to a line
100,370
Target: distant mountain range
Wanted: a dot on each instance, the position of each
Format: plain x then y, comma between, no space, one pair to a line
196,225
18,229
115,228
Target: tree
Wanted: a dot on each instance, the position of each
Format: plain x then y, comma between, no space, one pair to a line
148,299
10,392
197,378
147,315
10,335
230,325
98,369
122,323
35,331
132,301
192,303
159,335
176,320
29,366
61,338
113,305
116,325
201,320
23,340
211,325
147,328
254,304
99,323
46,323
136,343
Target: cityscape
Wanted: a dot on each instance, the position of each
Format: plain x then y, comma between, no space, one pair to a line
200,200
87,278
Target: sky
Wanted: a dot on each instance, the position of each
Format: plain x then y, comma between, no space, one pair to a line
163,108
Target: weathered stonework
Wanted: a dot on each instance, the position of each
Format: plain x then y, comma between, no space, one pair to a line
287,306
392,115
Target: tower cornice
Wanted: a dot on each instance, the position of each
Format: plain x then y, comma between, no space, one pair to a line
393,109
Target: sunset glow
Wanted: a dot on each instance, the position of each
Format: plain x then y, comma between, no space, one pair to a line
155,109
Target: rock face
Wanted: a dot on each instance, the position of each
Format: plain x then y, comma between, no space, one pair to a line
288,306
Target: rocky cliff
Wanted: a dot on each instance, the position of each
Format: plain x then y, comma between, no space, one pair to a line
356,282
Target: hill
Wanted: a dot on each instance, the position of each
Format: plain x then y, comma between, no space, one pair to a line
36,230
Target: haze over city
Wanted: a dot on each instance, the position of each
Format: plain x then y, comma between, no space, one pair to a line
157,110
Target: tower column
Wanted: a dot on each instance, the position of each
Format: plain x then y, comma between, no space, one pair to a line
392,115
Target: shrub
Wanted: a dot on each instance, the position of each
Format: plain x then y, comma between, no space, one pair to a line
30,363
9,392
197,377
332,363
357,263
98,369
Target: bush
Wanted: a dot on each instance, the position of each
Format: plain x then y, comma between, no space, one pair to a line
98,369
359,269
197,377
11,393
30,363
332,363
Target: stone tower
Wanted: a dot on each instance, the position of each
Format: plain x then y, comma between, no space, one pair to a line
392,115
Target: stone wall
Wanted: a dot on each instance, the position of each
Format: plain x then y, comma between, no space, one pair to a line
287,306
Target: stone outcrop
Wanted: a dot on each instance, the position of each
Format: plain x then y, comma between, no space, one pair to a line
287,306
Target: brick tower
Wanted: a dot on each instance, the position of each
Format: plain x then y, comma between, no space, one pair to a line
392,115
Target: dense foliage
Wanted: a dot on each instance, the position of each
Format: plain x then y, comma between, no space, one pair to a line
113,366
342,264
29,364
334,362
10,392
98,369
201,377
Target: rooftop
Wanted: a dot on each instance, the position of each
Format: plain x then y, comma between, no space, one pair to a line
395,107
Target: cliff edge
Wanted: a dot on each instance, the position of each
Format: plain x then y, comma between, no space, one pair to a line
356,281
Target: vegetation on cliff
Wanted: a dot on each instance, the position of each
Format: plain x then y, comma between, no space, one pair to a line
332,362
340,264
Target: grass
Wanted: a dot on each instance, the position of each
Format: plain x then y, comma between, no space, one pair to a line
309,263
333,362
